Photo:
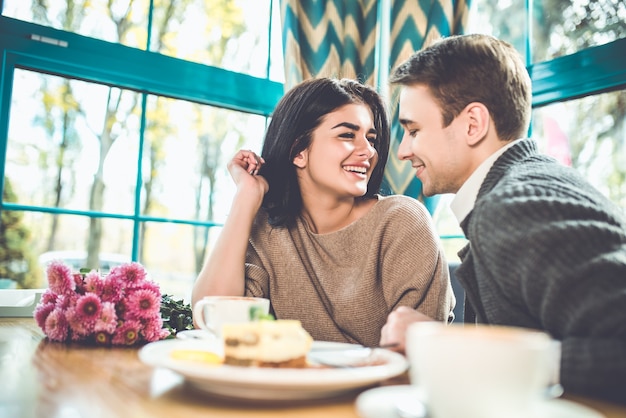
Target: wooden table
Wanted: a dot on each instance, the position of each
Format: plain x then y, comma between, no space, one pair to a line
39,378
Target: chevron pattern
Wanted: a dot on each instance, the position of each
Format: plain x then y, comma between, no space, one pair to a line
335,38
413,25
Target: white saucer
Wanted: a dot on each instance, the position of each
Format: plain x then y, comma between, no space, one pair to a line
561,408
381,402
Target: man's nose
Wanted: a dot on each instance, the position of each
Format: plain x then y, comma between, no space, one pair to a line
404,149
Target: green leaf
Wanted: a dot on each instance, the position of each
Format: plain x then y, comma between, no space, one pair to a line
176,315
257,314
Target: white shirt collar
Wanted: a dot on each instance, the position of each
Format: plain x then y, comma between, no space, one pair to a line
465,198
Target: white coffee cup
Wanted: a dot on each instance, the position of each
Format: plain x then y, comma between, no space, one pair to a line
481,371
211,312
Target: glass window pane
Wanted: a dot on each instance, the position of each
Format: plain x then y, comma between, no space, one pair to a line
277,64
590,135
503,19
72,144
173,255
563,27
448,228
19,268
118,21
44,237
223,33
186,151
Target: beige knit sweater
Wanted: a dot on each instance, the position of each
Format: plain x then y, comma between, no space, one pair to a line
342,285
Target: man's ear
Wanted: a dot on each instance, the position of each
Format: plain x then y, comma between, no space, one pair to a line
301,159
478,119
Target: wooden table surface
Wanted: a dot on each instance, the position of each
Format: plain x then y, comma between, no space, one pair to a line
39,378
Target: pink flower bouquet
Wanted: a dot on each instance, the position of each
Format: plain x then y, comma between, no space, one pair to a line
121,308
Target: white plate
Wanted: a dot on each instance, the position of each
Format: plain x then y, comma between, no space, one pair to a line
257,383
382,403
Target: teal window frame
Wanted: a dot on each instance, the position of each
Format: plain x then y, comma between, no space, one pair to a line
24,45
560,79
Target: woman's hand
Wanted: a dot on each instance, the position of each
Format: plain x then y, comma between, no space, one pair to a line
244,169
223,272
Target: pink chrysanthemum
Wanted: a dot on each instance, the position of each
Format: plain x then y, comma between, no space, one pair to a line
153,328
88,307
93,282
150,285
56,326
42,311
102,338
67,301
112,288
60,278
164,333
121,310
80,283
74,336
49,297
127,333
142,304
132,273
107,322
79,328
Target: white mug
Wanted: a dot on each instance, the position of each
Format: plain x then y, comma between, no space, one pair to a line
481,371
211,312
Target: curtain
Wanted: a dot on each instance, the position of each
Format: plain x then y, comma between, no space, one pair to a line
334,38
414,24
366,39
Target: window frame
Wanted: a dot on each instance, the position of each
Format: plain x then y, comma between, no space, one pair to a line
25,45
557,80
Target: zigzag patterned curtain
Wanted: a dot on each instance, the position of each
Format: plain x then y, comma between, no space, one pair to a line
334,38
348,38
413,24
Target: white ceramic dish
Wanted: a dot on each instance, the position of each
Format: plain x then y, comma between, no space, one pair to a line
382,402
255,383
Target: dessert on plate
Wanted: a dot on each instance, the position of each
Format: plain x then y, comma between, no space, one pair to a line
279,343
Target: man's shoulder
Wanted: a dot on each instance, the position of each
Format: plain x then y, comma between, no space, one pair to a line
546,178
543,190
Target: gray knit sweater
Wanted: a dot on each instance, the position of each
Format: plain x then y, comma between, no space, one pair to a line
342,285
547,251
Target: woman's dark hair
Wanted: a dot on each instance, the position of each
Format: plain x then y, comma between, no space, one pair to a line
295,118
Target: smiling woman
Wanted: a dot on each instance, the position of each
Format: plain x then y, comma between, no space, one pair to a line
309,230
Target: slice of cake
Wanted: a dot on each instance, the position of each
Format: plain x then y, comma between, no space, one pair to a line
280,343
